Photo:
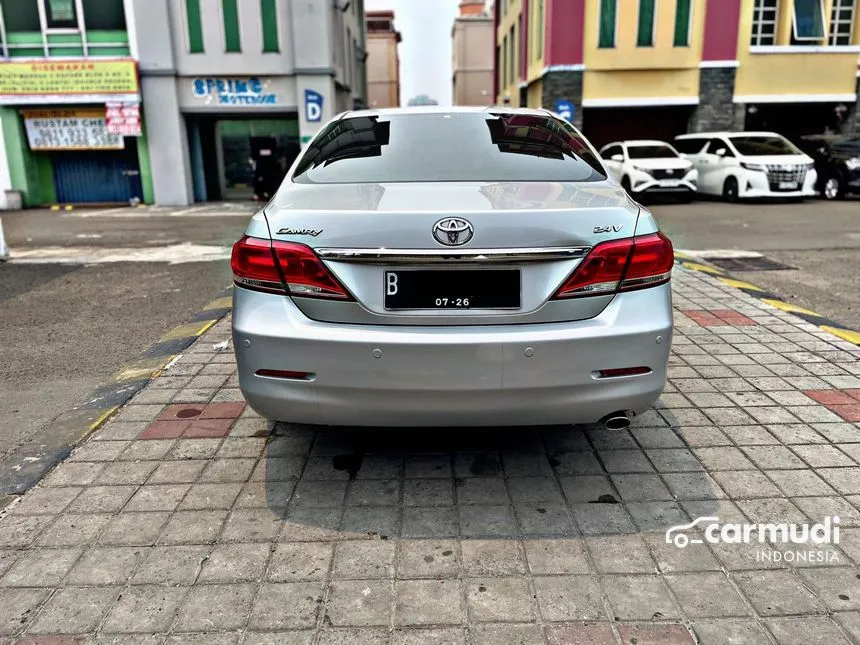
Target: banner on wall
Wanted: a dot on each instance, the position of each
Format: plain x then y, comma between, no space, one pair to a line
80,129
67,81
123,119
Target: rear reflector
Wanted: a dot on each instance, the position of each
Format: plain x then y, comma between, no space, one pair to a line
296,376
621,265
623,371
265,265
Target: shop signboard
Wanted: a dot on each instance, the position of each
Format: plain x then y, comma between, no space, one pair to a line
123,119
78,129
234,91
67,81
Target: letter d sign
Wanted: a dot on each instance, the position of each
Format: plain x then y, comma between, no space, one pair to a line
313,106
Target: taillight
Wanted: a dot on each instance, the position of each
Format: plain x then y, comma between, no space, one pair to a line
253,265
621,265
265,265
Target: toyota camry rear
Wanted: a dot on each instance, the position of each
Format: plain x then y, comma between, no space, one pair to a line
451,266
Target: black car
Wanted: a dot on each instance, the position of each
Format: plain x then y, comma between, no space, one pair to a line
837,162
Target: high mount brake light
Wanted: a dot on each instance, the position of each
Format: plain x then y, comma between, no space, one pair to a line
266,265
621,265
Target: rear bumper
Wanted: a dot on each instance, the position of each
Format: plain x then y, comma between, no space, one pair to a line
449,376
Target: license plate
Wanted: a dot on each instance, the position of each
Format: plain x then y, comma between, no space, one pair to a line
671,183
452,289
788,185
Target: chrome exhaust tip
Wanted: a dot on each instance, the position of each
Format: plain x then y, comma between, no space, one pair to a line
616,421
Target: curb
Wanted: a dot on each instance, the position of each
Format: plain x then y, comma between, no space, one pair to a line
25,467
822,322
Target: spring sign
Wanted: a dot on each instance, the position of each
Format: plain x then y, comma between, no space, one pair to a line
234,91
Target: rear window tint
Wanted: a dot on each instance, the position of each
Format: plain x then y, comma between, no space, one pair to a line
690,146
447,147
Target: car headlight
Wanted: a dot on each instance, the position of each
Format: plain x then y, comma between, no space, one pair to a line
853,163
753,166
647,171
809,166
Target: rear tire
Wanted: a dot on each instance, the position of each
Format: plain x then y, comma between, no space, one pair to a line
731,190
832,188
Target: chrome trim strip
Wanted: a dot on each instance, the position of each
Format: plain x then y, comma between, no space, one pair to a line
424,256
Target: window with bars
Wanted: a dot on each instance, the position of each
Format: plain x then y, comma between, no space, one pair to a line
764,22
841,22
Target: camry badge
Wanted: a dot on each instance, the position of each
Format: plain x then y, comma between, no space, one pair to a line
453,231
670,172
313,232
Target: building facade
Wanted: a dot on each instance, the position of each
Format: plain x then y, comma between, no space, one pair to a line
383,61
472,55
658,68
70,125
239,83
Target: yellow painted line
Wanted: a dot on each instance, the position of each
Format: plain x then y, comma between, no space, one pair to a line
844,334
792,309
70,207
104,416
221,303
739,284
144,368
683,256
695,266
55,207
186,330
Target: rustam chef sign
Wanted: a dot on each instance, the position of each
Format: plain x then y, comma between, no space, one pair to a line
79,129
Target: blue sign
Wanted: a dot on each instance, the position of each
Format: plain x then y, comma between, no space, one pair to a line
313,106
565,109
234,91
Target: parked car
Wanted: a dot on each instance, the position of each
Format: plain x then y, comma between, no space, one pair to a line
740,165
644,166
451,266
837,162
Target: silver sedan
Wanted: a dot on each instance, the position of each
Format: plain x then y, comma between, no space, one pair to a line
451,267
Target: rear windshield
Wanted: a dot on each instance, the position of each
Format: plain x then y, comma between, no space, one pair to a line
754,146
447,147
650,152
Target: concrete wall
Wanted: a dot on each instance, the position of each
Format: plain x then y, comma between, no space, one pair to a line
716,111
382,71
473,61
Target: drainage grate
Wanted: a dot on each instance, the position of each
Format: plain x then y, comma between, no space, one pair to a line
733,265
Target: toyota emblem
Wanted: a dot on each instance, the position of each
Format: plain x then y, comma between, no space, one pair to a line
453,231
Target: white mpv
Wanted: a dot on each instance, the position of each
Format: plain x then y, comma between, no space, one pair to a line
644,166
739,165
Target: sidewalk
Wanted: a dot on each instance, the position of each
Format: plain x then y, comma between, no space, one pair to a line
187,519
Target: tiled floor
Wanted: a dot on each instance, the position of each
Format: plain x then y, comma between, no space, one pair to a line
188,519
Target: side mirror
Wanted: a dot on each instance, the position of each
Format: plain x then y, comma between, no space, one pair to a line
617,157
721,152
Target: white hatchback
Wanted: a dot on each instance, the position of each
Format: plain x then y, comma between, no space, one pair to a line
642,166
739,165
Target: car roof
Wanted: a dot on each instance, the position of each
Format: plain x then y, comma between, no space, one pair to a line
644,142
446,109
705,135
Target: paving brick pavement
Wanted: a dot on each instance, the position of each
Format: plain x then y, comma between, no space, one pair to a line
188,519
